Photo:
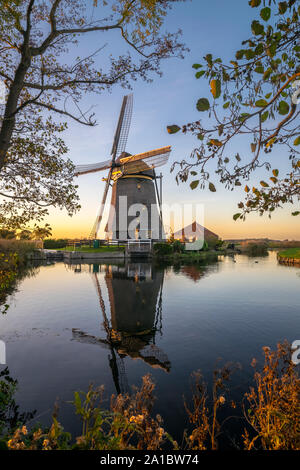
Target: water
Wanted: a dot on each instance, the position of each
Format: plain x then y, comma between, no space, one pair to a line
111,324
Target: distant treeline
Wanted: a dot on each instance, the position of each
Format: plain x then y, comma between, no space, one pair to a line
52,244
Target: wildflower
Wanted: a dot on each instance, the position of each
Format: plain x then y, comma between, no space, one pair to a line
46,443
137,419
222,400
24,430
10,444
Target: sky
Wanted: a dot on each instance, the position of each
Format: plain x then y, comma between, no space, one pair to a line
216,27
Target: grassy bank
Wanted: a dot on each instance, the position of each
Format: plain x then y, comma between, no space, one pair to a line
293,253
90,249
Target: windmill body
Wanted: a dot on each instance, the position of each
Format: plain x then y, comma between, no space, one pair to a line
134,211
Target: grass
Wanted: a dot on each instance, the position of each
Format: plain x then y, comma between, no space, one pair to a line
290,253
89,249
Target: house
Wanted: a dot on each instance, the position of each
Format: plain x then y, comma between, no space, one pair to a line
194,232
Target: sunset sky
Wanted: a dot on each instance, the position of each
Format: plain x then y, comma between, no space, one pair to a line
215,27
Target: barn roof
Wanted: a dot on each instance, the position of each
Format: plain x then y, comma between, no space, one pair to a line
195,230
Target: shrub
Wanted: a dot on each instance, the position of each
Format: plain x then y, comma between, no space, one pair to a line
257,249
52,244
162,249
178,246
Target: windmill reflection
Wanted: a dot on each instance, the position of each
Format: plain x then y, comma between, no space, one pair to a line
134,317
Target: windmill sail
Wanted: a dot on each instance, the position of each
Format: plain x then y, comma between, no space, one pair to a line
122,131
119,144
92,168
147,161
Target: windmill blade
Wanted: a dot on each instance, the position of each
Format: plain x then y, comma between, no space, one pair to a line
121,135
118,147
145,161
97,223
92,168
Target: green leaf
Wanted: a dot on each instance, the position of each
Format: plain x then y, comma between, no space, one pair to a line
261,103
212,187
200,74
275,172
254,3
283,107
282,7
267,74
264,184
236,216
194,184
259,49
173,129
197,66
259,69
225,105
215,86
264,116
265,13
257,28
200,136
239,54
297,141
295,213
203,104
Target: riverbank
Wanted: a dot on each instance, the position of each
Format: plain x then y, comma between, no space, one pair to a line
129,423
14,256
291,256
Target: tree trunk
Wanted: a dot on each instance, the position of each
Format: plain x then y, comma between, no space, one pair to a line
9,118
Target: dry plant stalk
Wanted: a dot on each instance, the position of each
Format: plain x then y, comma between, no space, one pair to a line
273,403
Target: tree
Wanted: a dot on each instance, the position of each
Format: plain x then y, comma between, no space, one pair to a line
7,234
25,234
254,97
37,39
40,233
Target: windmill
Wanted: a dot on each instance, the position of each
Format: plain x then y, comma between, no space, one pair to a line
133,177
131,325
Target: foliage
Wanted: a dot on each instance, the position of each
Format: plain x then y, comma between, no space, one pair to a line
273,414
13,256
257,249
162,249
219,244
254,101
127,425
7,234
43,84
178,246
273,403
204,416
10,416
52,244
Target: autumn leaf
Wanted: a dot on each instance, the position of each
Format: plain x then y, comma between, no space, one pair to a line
215,86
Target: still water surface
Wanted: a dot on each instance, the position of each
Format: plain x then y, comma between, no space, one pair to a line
110,324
